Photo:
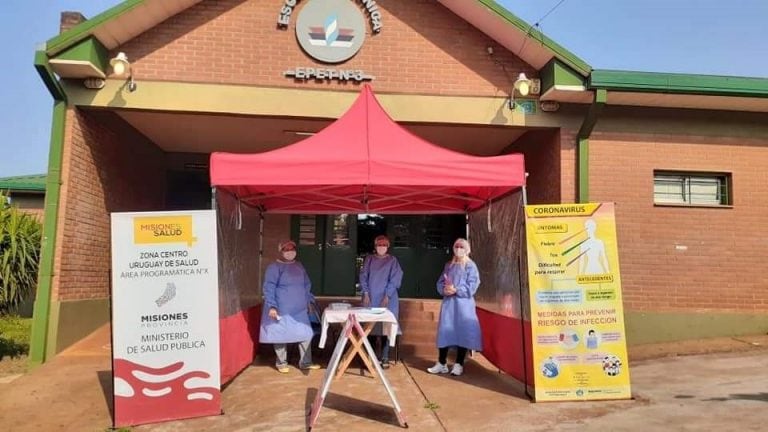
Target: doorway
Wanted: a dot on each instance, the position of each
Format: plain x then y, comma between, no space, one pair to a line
327,247
333,247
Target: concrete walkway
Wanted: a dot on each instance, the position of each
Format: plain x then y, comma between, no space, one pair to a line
722,391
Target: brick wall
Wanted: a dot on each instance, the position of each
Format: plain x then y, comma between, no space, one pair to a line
30,203
568,164
107,167
35,213
723,268
277,227
541,149
422,48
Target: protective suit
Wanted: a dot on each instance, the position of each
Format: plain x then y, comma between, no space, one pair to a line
286,288
381,276
458,324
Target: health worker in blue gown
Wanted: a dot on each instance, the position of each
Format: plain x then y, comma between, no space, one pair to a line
285,313
380,280
458,326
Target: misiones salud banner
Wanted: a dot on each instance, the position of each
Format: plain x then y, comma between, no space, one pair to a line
165,316
577,318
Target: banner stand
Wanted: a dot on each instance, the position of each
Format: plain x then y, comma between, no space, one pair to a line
164,316
578,335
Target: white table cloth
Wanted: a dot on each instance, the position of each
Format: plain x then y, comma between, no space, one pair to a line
363,315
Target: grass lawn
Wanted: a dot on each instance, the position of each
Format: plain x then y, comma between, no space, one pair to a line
14,344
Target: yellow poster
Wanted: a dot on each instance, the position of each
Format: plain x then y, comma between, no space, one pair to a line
577,318
163,229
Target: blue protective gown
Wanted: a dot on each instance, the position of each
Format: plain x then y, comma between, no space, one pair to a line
382,276
459,325
286,288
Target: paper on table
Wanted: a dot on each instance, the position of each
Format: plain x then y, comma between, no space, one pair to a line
373,310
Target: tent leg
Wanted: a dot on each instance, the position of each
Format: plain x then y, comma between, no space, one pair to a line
521,270
522,326
466,226
261,244
525,195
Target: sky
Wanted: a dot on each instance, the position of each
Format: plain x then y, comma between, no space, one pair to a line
686,36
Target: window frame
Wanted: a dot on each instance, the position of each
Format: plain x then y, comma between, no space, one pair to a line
724,182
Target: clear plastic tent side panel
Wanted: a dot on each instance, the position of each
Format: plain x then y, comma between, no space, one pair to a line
239,239
497,238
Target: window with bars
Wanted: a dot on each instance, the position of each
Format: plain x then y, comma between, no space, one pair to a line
686,188
307,230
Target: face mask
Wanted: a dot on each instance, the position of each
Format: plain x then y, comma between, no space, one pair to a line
461,253
381,250
289,255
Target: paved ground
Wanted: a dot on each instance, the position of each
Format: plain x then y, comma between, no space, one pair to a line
720,391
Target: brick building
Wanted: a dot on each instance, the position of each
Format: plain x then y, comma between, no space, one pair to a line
681,155
25,192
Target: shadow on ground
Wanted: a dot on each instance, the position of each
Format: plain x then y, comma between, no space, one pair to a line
758,397
106,383
363,409
477,374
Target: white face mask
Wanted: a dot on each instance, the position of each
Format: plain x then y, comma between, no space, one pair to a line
381,250
461,253
289,255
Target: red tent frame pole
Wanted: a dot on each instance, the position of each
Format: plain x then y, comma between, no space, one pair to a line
261,245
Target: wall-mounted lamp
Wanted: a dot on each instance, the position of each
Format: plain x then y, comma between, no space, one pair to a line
121,67
522,86
94,83
549,106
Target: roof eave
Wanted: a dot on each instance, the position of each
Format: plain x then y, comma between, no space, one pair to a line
558,51
675,83
79,32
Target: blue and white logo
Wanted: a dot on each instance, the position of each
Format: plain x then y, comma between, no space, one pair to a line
331,31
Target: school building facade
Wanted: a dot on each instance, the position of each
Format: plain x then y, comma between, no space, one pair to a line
682,156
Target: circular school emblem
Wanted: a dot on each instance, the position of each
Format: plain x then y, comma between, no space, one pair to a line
331,31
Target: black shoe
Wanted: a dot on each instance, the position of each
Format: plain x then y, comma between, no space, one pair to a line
385,364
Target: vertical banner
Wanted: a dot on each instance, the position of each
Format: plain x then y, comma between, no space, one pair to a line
577,318
165,316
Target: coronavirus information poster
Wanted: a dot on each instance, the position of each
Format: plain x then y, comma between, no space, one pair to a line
577,316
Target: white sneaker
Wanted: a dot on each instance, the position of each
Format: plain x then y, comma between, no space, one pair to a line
457,370
438,368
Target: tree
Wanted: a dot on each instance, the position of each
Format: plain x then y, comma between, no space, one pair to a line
20,236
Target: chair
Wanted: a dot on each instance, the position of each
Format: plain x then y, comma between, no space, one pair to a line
397,349
317,328
314,318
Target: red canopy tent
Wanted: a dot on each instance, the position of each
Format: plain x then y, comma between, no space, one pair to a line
366,163
362,163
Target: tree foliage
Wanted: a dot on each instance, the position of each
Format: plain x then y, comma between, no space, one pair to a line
20,236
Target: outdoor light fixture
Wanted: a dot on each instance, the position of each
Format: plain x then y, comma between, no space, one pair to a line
522,86
121,67
549,106
120,64
94,83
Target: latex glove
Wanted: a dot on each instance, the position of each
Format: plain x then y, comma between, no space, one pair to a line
366,300
385,302
273,313
449,290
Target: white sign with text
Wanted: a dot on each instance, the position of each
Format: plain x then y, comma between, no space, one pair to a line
165,316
